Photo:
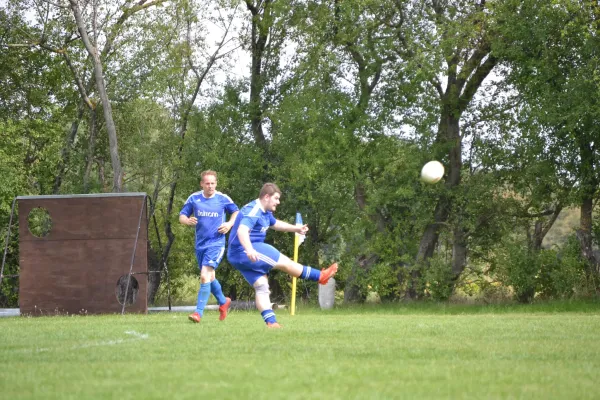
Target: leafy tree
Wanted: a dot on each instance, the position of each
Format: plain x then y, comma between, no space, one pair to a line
554,67
188,62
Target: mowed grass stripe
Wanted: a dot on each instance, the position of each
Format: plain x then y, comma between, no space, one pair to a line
345,354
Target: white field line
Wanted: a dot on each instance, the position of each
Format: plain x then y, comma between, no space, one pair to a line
136,337
137,334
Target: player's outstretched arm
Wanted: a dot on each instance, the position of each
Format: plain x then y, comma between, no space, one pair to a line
226,226
285,227
191,221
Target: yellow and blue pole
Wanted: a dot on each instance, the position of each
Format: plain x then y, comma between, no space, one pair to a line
298,239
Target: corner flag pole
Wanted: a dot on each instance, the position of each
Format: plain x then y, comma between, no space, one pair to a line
298,239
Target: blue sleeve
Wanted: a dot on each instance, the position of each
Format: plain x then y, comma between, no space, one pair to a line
249,221
272,219
230,207
188,208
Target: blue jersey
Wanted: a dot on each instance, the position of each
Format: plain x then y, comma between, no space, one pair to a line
259,221
210,214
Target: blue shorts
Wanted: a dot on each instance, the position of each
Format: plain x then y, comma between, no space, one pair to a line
210,256
267,258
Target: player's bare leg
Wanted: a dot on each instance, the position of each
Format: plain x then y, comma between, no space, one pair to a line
304,272
262,300
289,266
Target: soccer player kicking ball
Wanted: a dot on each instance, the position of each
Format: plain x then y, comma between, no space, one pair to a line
206,211
248,253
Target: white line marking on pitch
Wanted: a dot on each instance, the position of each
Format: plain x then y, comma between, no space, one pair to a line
136,336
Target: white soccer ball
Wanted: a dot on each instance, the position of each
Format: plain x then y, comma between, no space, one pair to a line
432,172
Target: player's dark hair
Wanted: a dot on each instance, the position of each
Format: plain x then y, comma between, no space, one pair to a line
208,172
268,189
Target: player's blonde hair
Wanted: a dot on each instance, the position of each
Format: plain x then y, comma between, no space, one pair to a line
208,172
268,189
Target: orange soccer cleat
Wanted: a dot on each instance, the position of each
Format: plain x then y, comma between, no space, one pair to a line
195,317
273,325
223,308
328,273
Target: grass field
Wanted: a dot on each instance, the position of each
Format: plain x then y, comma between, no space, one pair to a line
385,352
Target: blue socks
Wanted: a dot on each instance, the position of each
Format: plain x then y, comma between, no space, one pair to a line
203,295
268,316
310,273
215,289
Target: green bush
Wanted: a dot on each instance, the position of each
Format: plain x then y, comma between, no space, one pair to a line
184,291
383,280
9,289
478,284
438,278
561,273
573,264
550,273
518,267
496,293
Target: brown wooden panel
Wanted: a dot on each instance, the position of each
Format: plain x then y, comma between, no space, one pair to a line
75,268
79,218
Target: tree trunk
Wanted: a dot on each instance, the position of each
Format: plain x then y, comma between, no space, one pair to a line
260,34
363,262
352,288
589,186
362,266
110,128
278,293
167,227
584,234
154,279
466,70
101,87
108,46
540,230
459,251
535,240
155,261
101,175
449,137
90,152
65,153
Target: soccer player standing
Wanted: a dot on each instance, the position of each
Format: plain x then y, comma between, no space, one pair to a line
206,211
248,253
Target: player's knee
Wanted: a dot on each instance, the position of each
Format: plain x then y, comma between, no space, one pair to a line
205,278
207,274
261,287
